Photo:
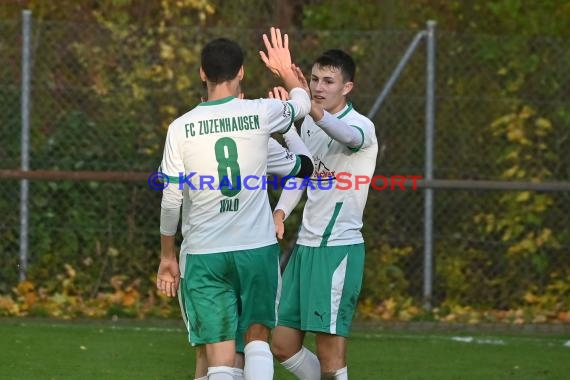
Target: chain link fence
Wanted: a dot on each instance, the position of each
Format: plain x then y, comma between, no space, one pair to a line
102,97
10,40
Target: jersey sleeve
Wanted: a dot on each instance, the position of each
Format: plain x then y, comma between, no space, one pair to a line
172,166
280,115
354,132
290,196
341,131
281,161
368,131
295,144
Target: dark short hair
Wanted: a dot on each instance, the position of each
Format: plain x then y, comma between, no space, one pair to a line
338,59
221,59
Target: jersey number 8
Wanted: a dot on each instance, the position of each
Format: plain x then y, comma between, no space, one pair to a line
228,167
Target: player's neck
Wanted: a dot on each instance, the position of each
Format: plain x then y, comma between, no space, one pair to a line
337,108
217,91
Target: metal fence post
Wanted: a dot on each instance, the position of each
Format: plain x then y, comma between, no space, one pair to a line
430,132
25,154
395,74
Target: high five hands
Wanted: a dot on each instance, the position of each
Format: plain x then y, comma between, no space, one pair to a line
281,93
278,57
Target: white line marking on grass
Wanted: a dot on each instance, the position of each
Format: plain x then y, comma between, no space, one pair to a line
551,342
146,329
470,339
466,339
101,328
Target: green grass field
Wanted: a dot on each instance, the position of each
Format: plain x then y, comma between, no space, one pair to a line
48,349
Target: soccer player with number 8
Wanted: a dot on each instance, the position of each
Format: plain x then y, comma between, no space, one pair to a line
230,259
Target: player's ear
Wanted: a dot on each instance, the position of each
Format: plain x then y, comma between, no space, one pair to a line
347,88
240,73
203,75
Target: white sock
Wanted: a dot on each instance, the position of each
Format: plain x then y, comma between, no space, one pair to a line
304,364
258,361
341,374
220,373
202,378
238,373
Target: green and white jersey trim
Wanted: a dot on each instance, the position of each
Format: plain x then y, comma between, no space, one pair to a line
280,161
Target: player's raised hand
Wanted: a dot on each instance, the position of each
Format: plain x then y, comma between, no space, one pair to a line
301,78
278,57
279,92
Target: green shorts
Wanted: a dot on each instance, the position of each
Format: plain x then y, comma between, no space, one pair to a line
321,286
222,294
240,338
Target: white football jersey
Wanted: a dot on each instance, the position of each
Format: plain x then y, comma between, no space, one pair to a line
281,161
208,152
333,216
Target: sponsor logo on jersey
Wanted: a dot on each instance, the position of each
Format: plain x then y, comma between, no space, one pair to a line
323,172
286,110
